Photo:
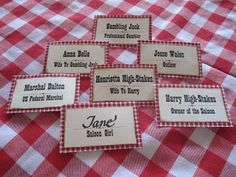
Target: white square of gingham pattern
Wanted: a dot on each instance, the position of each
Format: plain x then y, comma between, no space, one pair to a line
105,147
148,66
80,42
49,109
161,123
122,16
179,43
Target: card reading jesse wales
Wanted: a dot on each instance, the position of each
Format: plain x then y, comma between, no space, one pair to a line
99,126
173,59
123,82
191,106
42,93
121,30
75,57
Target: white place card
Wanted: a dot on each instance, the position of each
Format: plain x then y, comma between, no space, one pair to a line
99,126
123,82
173,59
75,57
42,93
191,106
121,30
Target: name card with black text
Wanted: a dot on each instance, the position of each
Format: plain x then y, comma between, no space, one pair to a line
173,59
191,106
122,30
42,93
123,82
75,57
99,126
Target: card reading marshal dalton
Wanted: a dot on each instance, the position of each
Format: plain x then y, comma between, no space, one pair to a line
122,30
75,57
42,93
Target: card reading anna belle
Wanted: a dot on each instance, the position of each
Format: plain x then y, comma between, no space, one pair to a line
173,59
75,57
122,30
123,82
99,126
42,93
191,106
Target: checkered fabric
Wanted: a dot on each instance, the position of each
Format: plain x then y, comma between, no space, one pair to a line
29,143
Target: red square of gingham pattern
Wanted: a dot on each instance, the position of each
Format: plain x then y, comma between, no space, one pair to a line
84,42
190,124
105,147
122,16
145,66
197,45
49,109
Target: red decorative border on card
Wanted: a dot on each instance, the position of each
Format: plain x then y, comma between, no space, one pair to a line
122,16
145,66
197,45
105,147
84,42
190,124
49,109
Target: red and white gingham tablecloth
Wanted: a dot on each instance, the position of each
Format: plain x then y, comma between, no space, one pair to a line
29,142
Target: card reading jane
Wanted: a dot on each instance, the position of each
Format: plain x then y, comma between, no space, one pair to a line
173,59
122,30
99,126
74,56
191,106
42,93
123,82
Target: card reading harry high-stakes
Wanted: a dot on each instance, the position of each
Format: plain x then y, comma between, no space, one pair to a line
191,106
42,93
